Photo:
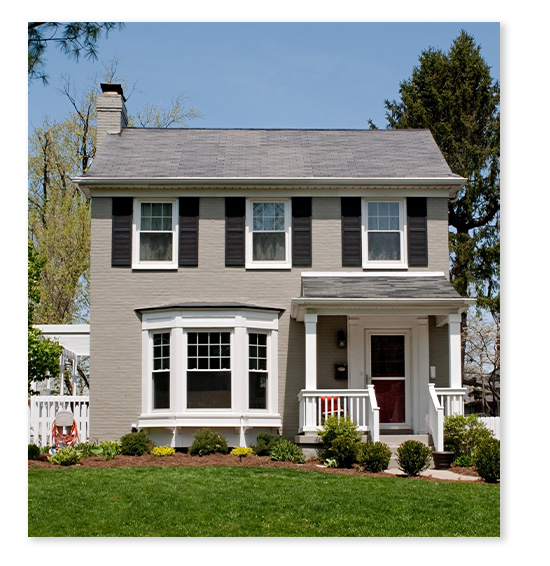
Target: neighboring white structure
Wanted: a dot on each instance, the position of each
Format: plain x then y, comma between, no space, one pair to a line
75,339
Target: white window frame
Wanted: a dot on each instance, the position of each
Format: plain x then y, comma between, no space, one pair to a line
136,231
238,323
381,264
187,331
267,371
250,263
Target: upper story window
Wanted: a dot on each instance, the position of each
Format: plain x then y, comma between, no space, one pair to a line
384,233
155,228
268,225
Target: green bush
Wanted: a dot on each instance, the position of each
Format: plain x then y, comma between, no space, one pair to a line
208,442
461,434
34,452
265,441
135,444
413,457
487,460
66,456
374,456
341,440
464,461
286,451
45,449
89,449
110,448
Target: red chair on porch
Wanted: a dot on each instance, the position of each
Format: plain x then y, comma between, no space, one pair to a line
330,406
64,430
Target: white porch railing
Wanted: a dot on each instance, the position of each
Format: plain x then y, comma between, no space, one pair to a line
443,401
42,411
359,404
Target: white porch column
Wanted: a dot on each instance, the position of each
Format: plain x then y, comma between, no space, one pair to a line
455,348
310,321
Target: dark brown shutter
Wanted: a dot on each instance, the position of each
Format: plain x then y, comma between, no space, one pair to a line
417,231
301,231
189,232
234,230
121,249
351,231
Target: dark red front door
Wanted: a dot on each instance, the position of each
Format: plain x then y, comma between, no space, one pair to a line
388,376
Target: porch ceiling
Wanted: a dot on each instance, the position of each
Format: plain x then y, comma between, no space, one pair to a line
404,294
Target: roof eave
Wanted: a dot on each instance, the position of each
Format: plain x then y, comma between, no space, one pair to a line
85,184
346,306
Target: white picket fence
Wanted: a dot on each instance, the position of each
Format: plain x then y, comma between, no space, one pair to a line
492,423
42,411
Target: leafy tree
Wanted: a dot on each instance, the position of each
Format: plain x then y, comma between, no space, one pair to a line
44,353
454,96
73,39
59,216
482,363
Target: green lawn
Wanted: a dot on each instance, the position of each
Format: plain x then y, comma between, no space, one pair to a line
257,502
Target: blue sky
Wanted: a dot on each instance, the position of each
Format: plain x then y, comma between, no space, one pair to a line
262,75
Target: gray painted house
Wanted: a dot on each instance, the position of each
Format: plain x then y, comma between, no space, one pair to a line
253,280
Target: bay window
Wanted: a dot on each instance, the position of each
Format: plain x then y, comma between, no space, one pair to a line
210,364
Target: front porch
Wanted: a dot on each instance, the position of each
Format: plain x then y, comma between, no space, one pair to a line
400,352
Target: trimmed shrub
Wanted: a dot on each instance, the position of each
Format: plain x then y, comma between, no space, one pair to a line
34,452
341,440
66,456
462,433
241,452
208,442
487,460
413,457
265,441
286,451
163,451
135,444
374,456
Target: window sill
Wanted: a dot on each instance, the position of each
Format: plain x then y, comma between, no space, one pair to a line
384,266
168,266
270,266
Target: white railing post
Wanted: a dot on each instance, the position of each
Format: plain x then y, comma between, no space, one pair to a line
436,413
374,414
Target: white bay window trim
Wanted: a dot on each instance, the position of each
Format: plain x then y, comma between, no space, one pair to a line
402,262
239,324
138,230
252,263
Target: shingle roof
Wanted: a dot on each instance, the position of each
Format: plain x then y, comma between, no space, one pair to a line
395,287
203,305
219,153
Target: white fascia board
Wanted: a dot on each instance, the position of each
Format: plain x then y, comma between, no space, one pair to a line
343,306
85,185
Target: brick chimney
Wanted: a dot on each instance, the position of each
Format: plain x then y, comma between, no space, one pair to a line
111,112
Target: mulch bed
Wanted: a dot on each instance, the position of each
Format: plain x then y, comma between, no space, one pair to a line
182,459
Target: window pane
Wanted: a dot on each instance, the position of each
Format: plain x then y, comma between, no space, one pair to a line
268,246
373,209
192,338
257,390
383,209
209,390
387,356
384,246
155,247
383,223
161,390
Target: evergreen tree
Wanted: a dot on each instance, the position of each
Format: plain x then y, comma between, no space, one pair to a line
454,96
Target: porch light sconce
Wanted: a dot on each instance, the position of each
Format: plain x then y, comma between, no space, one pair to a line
341,339
432,372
